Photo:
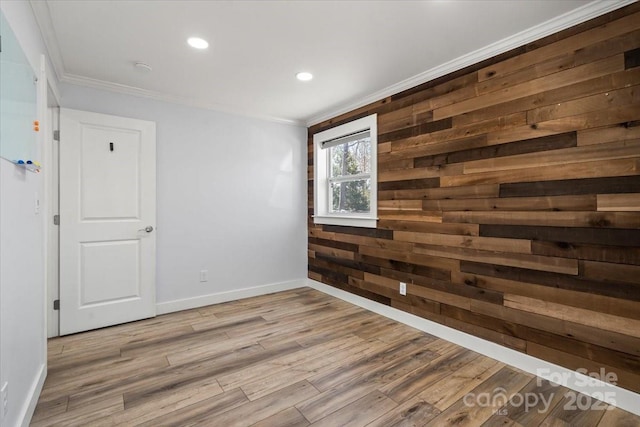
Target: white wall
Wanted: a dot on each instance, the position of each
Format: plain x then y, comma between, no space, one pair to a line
231,194
22,240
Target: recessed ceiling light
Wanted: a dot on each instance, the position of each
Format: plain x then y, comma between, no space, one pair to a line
197,42
304,76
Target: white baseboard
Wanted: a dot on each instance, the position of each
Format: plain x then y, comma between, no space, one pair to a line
204,300
616,396
34,394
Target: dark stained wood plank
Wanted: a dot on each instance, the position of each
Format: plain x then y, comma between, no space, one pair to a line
624,184
583,235
632,59
334,244
623,255
610,305
587,169
409,184
579,219
587,202
369,232
564,156
430,227
545,143
603,271
420,129
607,287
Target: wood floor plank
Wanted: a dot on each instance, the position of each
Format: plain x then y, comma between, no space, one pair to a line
50,408
191,372
507,380
303,371
575,410
353,387
414,382
140,406
290,417
323,328
534,402
95,413
103,377
332,400
451,388
279,364
360,412
414,412
388,353
618,418
258,410
199,412
294,358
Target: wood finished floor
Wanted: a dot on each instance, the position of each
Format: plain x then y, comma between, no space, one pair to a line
294,358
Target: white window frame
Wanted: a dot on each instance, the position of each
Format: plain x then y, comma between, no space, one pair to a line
321,182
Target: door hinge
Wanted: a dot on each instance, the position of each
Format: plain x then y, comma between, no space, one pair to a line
56,304
56,135
56,220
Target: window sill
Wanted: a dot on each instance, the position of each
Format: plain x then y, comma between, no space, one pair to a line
349,221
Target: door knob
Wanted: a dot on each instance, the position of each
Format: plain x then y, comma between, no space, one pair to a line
148,229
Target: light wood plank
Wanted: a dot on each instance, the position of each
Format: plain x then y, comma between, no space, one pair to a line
619,202
574,314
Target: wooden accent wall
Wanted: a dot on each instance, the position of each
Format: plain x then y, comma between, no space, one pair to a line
509,201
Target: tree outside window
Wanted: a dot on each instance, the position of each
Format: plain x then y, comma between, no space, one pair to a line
350,176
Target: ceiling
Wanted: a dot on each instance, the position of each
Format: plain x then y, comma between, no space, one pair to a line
358,51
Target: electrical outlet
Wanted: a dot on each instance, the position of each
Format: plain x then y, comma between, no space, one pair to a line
4,392
204,275
403,288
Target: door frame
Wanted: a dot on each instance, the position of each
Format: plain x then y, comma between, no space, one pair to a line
50,113
52,267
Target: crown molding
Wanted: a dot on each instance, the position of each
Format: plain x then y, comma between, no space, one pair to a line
552,26
173,99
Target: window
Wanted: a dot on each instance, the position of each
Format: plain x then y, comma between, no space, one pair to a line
345,179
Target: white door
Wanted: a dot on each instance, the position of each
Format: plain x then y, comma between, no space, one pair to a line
107,220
